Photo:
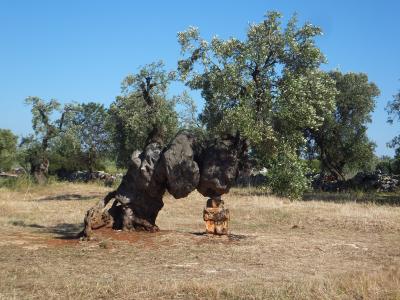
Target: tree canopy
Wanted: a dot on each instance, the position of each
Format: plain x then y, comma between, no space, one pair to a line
8,149
89,126
341,143
393,109
143,106
48,120
268,86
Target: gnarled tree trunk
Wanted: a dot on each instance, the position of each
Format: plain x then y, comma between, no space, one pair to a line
184,165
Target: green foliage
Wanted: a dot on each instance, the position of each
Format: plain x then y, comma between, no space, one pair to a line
48,119
314,165
384,165
395,165
110,166
88,135
341,143
20,183
393,109
388,165
66,155
143,106
267,86
24,183
286,175
8,149
41,116
71,138
30,153
187,111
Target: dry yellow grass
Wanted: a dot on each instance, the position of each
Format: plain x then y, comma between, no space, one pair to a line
278,250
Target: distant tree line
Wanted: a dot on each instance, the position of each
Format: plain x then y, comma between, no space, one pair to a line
268,86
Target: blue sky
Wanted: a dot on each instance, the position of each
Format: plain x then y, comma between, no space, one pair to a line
81,50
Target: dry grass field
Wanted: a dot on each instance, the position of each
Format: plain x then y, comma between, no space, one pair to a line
277,249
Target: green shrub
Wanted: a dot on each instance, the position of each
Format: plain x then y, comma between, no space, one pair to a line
287,175
8,146
17,183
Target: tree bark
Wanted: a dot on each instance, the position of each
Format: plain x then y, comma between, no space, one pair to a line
184,165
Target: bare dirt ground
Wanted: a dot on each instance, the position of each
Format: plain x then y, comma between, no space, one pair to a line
277,249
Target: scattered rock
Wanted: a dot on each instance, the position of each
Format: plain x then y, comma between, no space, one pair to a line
86,176
365,181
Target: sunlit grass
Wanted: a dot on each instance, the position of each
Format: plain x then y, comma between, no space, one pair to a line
278,249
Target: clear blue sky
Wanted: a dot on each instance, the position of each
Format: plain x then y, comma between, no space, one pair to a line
81,50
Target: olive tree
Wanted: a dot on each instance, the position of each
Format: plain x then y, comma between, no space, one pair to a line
8,149
268,86
341,143
88,126
48,119
393,109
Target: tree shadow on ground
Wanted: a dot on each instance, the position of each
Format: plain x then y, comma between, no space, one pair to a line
65,197
230,236
359,197
64,231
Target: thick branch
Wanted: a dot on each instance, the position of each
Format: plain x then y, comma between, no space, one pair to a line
146,88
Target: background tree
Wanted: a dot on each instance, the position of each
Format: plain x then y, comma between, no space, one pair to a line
8,149
393,109
36,147
267,86
66,155
187,111
143,106
88,124
386,165
84,142
341,143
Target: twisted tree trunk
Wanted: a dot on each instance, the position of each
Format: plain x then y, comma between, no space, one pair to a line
184,165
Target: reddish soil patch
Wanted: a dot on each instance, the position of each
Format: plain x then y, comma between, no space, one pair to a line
62,242
141,237
151,239
34,241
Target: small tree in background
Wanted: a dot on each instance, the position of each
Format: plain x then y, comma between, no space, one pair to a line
341,143
46,129
65,154
8,149
287,174
384,164
84,141
88,125
393,109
